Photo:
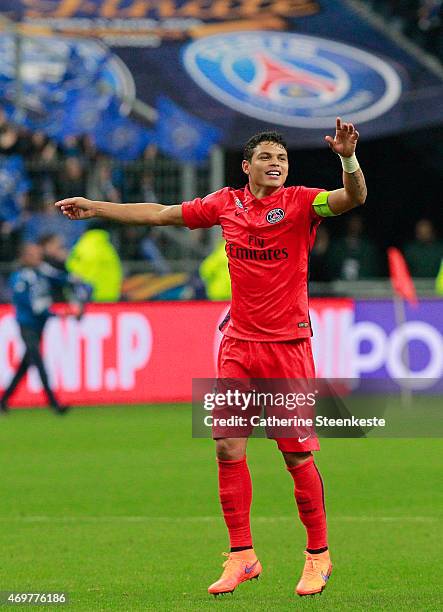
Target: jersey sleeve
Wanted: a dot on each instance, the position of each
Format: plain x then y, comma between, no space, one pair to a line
204,212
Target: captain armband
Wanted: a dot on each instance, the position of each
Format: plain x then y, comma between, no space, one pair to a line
321,205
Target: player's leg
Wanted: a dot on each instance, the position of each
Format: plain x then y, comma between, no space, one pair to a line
294,360
32,340
309,497
235,487
9,391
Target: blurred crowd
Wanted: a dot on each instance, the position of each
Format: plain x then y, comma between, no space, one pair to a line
35,172
354,256
421,20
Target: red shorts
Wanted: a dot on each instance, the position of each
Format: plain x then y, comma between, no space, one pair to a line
255,360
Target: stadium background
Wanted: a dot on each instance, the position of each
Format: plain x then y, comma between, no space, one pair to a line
61,134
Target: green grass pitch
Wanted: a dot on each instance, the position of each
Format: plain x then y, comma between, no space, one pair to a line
118,507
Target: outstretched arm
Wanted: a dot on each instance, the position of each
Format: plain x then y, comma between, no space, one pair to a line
354,190
138,214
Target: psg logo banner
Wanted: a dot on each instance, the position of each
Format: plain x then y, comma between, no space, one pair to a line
237,67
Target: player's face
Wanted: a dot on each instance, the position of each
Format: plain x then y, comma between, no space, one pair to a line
268,166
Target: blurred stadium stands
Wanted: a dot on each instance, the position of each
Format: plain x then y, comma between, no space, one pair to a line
34,172
345,260
420,20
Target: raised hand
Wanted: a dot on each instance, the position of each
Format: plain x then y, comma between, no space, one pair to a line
77,208
345,141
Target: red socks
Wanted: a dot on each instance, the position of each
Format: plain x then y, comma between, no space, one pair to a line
310,501
235,497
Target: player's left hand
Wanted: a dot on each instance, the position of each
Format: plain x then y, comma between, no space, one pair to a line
345,140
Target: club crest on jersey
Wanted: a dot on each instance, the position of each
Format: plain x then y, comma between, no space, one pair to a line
275,215
292,79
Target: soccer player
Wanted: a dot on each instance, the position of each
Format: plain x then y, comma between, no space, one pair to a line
269,231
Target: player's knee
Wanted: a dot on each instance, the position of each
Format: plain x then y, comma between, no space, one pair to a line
294,459
230,449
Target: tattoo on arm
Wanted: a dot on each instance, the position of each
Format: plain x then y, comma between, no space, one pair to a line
356,181
358,178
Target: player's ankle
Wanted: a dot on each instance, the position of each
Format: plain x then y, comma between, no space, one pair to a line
317,551
235,549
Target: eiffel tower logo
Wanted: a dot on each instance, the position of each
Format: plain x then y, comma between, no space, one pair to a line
273,75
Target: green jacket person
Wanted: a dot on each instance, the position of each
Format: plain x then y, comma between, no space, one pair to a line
95,260
215,274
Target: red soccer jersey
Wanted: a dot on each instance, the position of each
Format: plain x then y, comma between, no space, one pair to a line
268,242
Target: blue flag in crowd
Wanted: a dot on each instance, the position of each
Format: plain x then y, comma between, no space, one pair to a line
182,135
77,113
14,183
81,103
119,136
76,74
69,105
75,107
84,70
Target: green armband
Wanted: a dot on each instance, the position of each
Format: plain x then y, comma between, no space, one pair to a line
321,205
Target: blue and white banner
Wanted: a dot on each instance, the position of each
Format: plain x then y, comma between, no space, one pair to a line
240,66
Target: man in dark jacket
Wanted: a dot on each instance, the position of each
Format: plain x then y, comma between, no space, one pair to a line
32,285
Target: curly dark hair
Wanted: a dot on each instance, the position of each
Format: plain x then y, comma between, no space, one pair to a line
269,136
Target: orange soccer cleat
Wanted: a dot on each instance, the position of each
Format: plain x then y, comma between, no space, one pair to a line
238,567
315,575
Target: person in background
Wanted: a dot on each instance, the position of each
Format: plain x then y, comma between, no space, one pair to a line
101,184
71,146
320,269
13,140
95,260
71,177
215,274
42,148
151,152
54,260
42,156
74,291
32,299
425,253
143,243
43,221
54,251
439,280
14,200
149,250
354,257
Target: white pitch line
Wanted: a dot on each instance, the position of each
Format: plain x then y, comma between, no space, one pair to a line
209,519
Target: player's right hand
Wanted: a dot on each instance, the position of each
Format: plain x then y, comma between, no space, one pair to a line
77,208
